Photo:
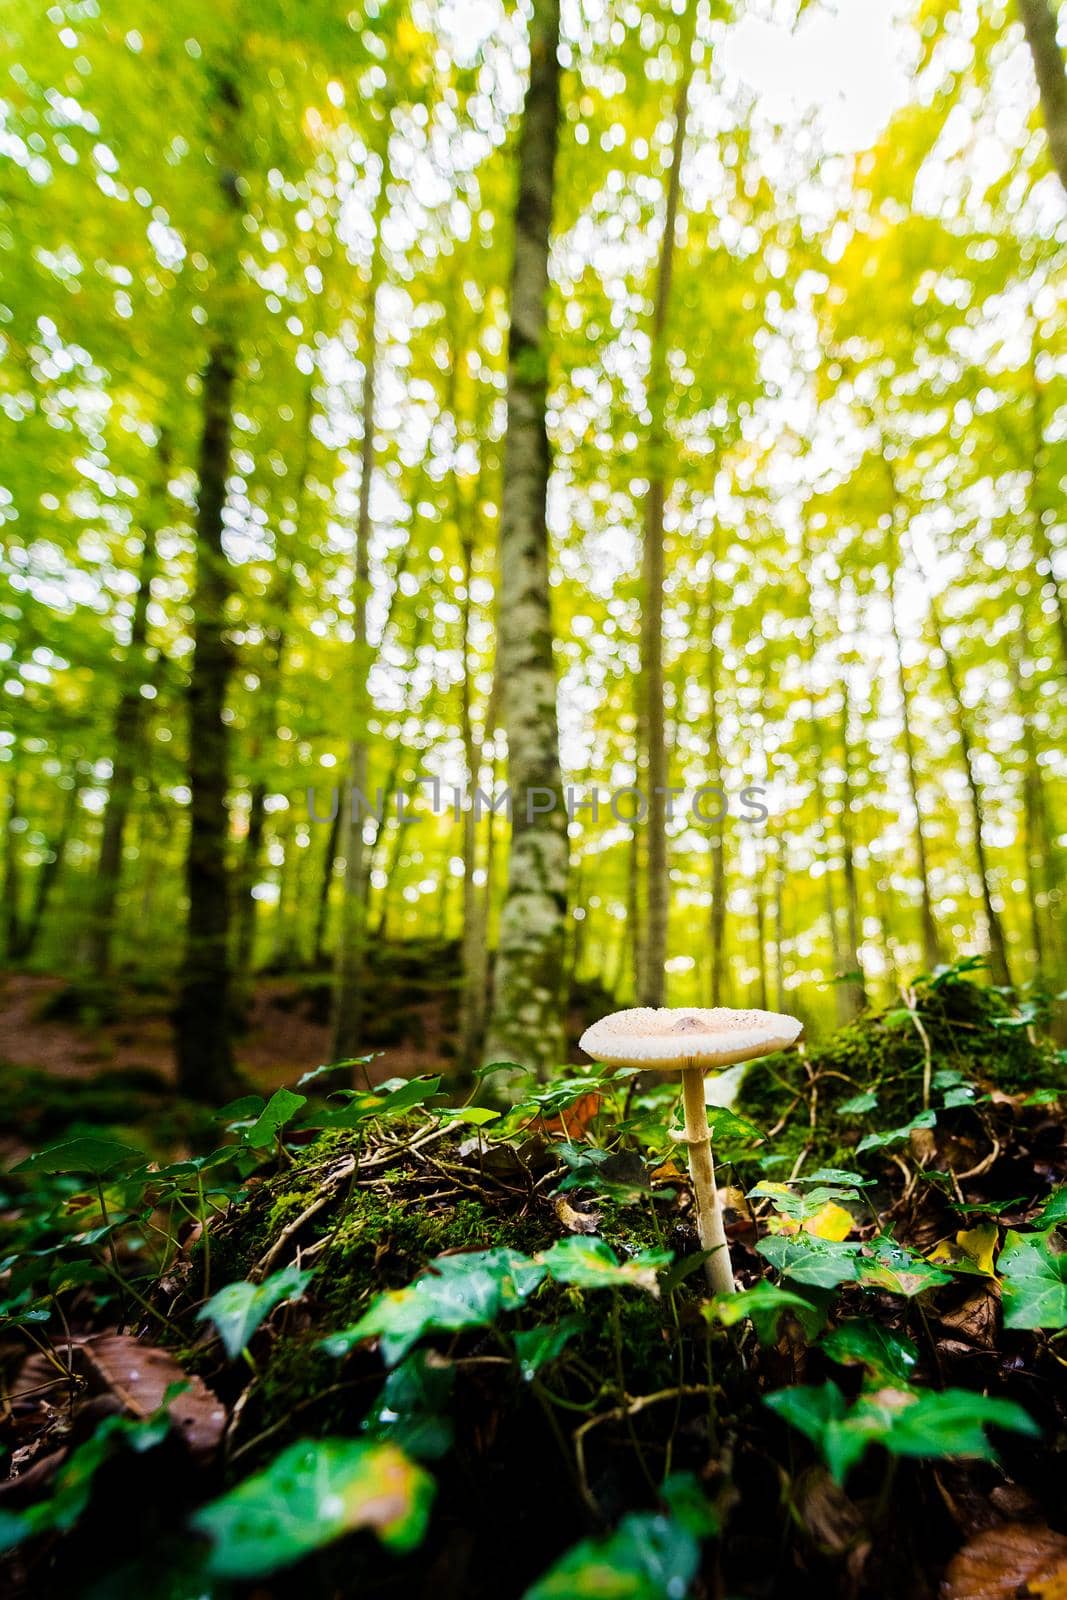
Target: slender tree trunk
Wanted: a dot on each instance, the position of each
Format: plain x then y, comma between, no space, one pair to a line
856,988
202,1016
931,943
278,601
12,865
717,917
49,872
126,735
526,1022
1042,516
653,975
779,919
998,950
318,943
348,998
1039,19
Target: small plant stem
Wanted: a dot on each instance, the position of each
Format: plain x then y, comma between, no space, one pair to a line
205,1238
112,1252
710,1228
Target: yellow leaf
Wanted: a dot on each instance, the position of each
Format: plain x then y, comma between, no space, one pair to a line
830,1222
979,1243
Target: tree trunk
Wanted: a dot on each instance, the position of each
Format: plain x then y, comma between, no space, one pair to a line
348,996
526,1023
318,943
1042,516
1039,19
779,919
931,943
653,975
126,732
205,1060
202,1015
717,917
855,988
49,871
998,950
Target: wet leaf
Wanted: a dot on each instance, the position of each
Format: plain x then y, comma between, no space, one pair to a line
411,1410
1034,1282
882,1141
819,1262
310,1495
863,1342
239,1308
890,1266
536,1347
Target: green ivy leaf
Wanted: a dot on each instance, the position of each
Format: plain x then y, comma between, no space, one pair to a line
862,1342
410,1409
281,1108
1054,1210
859,1104
1034,1282
310,1495
536,1347
648,1557
239,1308
890,1266
938,1425
766,1304
589,1263
882,1141
822,1263
456,1292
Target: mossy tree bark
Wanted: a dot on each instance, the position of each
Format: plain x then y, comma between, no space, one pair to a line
653,967
526,1022
202,1016
1039,19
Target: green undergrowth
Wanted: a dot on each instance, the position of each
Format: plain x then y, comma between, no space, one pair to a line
470,1349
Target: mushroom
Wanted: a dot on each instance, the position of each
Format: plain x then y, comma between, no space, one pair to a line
693,1041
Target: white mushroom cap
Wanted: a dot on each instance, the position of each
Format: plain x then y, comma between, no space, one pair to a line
667,1038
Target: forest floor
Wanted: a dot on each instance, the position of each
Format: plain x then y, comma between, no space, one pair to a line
386,1344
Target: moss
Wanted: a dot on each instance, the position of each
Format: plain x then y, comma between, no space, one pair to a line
971,1030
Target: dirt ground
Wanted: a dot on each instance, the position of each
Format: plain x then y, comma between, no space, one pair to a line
282,1039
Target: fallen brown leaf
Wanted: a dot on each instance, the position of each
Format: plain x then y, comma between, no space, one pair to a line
576,1221
1018,1558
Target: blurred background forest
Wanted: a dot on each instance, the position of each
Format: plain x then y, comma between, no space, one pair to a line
273,503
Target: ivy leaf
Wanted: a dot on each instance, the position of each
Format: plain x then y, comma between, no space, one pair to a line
310,1495
281,1108
536,1347
1054,1210
1034,1282
859,1104
890,1266
589,1263
410,1409
649,1556
836,1175
766,1304
882,1141
822,1263
939,1425
457,1292
91,1156
239,1308
865,1343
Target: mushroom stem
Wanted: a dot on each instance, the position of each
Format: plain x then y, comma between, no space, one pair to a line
710,1228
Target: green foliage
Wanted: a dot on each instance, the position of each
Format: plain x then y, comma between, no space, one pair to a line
237,1310
1034,1281
885,1356
312,1494
649,1556
938,1425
